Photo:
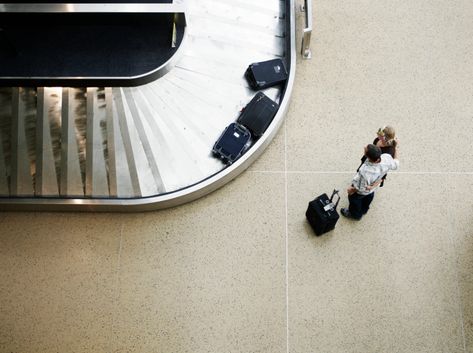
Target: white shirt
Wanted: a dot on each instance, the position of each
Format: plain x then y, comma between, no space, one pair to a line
370,173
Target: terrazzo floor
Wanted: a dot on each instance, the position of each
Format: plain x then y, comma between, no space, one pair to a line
240,270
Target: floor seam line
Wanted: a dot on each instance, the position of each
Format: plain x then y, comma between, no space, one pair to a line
353,172
117,278
287,238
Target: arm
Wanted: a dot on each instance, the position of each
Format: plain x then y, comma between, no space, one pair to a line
351,190
396,159
366,180
356,181
374,185
392,161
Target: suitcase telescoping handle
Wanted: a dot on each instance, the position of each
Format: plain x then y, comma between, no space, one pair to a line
331,205
335,192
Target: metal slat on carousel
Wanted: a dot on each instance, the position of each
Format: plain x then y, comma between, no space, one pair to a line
110,148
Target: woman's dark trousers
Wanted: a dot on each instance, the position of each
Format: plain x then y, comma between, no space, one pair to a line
359,204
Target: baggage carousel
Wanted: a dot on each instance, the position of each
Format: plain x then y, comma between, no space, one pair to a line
140,137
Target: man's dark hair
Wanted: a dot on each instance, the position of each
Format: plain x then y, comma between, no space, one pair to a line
373,153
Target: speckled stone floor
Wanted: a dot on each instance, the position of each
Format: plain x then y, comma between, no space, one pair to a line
240,270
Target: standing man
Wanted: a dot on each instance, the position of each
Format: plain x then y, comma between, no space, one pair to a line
367,180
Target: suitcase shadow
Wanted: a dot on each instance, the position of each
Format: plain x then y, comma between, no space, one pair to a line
317,239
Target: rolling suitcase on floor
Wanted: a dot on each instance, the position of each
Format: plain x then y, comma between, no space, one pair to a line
232,143
322,213
266,74
258,114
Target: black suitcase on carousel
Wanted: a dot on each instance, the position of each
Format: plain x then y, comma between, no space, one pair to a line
266,74
258,114
232,143
322,213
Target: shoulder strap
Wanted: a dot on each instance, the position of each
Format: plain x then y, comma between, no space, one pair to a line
363,159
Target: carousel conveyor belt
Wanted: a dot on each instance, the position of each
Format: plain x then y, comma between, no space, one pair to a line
145,147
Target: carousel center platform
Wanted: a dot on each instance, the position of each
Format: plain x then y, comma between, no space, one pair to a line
92,44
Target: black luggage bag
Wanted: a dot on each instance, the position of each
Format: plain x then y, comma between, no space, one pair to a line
322,213
232,143
266,74
258,114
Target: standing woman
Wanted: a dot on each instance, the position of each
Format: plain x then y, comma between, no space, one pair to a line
387,141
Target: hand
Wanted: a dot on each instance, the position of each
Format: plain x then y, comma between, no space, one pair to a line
351,190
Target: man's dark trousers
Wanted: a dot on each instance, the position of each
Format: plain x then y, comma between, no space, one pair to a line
359,204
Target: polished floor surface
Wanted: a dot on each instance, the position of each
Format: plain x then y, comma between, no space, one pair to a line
240,270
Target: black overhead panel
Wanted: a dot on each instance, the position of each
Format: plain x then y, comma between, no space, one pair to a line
83,48
92,2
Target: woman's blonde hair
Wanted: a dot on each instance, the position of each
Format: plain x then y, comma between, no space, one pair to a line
389,135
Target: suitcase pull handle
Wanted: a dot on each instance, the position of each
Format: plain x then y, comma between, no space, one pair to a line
330,206
335,192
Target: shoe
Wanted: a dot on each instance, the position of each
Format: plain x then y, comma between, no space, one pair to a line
345,212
